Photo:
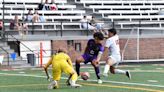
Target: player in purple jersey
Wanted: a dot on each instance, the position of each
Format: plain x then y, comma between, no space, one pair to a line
93,53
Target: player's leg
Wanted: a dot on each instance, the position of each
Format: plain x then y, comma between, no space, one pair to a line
109,62
113,63
73,80
95,64
114,70
78,61
53,85
56,73
72,75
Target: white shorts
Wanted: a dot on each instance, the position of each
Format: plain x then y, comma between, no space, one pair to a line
116,59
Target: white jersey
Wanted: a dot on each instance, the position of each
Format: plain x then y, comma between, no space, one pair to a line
113,44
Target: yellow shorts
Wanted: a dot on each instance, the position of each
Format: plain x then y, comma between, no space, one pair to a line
59,68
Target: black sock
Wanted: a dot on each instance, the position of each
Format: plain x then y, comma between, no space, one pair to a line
78,68
97,70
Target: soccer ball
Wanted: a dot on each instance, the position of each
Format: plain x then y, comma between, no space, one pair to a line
85,75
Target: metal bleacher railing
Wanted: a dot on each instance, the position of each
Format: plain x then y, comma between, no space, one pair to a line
55,28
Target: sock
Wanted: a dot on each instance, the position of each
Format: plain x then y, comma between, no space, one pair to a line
78,68
118,71
74,77
97,70
54,82
106,68
72,82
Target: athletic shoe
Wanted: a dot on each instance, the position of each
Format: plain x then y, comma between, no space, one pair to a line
99,81
76,85
128,75
73,84
53,85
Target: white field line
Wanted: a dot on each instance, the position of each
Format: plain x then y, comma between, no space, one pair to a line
26,75
159,71
138,71
129,83
152,81
115,82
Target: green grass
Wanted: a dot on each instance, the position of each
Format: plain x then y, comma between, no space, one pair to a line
140,74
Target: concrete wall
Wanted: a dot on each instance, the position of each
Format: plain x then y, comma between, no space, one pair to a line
150,48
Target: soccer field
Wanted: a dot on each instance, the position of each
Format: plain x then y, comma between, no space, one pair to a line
145,78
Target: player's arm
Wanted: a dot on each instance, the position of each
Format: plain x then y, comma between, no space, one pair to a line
46,67
99,55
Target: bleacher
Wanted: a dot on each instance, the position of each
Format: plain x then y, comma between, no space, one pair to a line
125,13
64,18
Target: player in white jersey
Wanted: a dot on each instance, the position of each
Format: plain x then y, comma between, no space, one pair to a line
114,57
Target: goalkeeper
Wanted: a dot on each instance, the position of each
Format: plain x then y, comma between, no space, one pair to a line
61,62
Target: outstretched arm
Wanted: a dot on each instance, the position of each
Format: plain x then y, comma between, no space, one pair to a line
46,68
99,56
100,53
96,62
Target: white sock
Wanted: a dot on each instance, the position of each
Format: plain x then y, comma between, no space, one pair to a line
106,68
72,82
54,82
118,71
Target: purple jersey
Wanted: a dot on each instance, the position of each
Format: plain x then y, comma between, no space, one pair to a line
93,49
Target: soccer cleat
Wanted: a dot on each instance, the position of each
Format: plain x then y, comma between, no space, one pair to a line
76,85
128,75
53,85
99,81
73,84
